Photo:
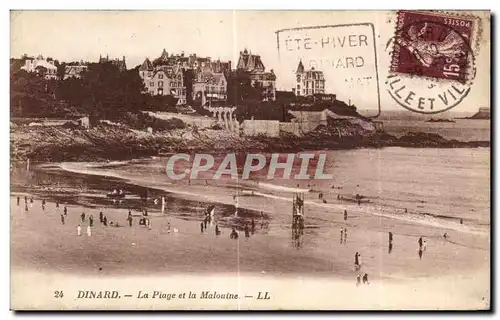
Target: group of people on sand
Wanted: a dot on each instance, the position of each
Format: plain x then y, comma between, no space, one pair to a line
26,202
357,267
117,192
209,219
343,235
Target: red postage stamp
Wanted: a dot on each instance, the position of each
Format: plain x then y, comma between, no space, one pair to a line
433,44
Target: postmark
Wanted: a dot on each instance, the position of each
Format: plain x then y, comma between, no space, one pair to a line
432,60
343,55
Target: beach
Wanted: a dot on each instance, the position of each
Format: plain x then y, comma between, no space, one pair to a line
452,274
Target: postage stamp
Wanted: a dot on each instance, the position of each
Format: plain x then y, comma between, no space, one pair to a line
433,45
432,60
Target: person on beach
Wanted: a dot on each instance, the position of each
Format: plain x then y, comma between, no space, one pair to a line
320,196
406,210
205,223
324,201
253,225
101,217
201,226
345,215
357,265
445,235
31,200
18,201
83,216
341,235
217,231
62,218
129,219
358,280
25,199
365,279
390,242
65,211
168,227
43,204
91,220
345,235
57,204
105,221
129,212
420,252
234,234
247,233
26,207
338,196
79,230
461,221
89,231
420,242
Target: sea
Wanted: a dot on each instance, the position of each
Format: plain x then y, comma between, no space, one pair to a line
430,186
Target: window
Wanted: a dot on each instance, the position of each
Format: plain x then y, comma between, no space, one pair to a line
171,84
160,91
160,76
151,84
160,83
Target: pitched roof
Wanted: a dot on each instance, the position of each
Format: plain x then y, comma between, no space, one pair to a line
169,71
250,62
208,76
146,65
164,54
300,67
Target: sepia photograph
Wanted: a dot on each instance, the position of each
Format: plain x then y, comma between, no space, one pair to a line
250,160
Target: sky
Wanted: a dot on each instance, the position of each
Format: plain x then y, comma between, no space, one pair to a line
84,35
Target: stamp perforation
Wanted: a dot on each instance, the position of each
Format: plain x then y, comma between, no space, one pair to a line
476,31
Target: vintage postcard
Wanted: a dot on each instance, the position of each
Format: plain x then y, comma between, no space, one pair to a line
250,160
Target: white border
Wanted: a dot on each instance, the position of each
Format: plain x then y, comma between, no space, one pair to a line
198,5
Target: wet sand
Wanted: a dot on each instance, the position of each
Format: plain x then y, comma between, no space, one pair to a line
39,243
312,271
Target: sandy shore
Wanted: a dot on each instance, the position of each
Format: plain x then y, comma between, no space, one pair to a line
453,273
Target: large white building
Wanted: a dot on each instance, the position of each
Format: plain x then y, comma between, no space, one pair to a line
309,82
41,66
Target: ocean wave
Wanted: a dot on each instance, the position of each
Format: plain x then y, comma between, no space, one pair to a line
423,218
281,188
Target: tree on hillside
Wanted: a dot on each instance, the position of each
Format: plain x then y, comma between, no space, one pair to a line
103,91
41,71
61,70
